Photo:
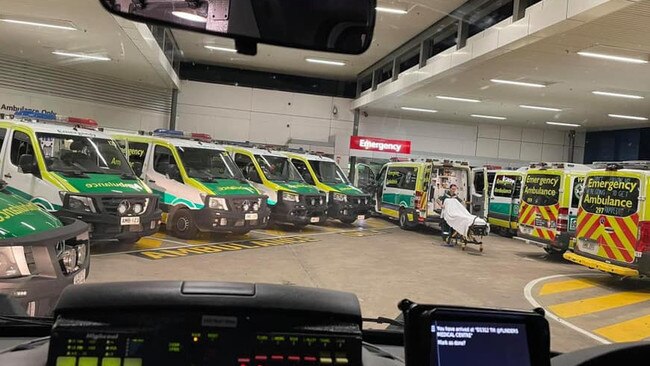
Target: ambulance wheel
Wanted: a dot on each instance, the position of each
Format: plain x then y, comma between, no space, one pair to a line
183,225
241,231
349,221
553,252
404,223
129,240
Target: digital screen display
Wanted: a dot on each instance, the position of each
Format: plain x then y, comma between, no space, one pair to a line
478,343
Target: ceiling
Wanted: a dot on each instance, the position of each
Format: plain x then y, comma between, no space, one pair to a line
97,33
571,78
391,31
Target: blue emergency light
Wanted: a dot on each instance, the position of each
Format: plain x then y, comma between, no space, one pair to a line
30,114
163,131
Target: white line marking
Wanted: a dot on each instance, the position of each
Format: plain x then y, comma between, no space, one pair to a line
529,296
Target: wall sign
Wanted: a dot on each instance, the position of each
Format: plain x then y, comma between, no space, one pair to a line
379,144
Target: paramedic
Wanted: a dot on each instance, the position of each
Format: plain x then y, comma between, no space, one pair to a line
451,193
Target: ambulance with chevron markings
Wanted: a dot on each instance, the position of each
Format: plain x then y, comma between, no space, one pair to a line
549,205
68,167
613,232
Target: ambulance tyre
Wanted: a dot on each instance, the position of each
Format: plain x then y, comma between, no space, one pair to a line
404,223
129,240
349,220
553,252
183,225
241,231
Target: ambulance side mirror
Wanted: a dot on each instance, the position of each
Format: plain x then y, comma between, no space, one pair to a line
137,168
26,163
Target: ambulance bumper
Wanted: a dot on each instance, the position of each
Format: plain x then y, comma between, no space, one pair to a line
600,265
560,244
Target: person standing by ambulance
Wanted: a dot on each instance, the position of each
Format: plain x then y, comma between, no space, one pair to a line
452,193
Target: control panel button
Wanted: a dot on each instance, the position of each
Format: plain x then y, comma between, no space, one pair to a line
132,362
66,361
111,361
88,361
326,360
341,361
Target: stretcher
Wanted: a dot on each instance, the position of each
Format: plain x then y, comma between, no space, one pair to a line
465,228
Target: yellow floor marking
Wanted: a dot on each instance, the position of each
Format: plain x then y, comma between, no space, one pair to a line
564,286
159,235
628,331
600,303
148,243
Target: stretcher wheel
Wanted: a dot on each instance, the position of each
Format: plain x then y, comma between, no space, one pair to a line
480,249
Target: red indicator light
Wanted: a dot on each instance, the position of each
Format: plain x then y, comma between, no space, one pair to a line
294,358
261,358
310,358
277,357
86,122
243,360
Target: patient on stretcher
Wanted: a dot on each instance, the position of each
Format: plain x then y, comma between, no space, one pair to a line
466,227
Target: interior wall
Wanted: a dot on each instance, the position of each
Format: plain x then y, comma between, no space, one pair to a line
275,117
107,115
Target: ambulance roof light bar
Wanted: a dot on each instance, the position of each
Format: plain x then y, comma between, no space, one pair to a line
162,132
46,117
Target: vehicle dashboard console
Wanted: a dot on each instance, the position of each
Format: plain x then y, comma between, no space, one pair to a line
204,323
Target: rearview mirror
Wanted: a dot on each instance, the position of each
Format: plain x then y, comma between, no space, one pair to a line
26,163
338,26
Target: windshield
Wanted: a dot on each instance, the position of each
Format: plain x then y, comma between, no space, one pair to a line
328,172
208,164
542,189
79,154
278,168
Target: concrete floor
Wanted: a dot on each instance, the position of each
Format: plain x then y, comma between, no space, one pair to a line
380,263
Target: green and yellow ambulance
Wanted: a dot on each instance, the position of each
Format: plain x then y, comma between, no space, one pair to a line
69,168
39,254
409,191
613,233
504,200
200,187
549,205
291,199
345,202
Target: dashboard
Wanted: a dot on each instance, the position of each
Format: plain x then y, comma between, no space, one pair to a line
241,324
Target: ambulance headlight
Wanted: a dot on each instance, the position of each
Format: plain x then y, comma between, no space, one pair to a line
68,260
122,208
82,250
339,197
138,208
217,203
13,262
290,197
81,203
256,205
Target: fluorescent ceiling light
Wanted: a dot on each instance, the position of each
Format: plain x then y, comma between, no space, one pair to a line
563,124
81,55
487,117
189,16
419,109
458,99
622,116
518,83
325,62
612,57
618,95
39,24
384,9
550,109
221,48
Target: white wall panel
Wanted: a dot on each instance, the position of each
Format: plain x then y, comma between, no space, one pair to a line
547,13
554,137
485,42
487,147
271,101
489,131
509,149
578,6
513,31
510,133
552,152
215,95
532,135
531,151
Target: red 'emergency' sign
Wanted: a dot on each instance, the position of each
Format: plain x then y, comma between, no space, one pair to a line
379,144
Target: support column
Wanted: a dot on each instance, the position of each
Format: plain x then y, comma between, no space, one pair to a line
519,9
172,112
572,145
355,132
461,34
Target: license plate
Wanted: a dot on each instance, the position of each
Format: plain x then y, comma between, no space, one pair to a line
80,277
314,219
130,220
589,247
361,217
251,216
540,223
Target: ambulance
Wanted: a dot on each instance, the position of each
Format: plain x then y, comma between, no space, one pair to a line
549,205
39,254
199,186
613,233
410,191
70,168
344,201
291,199
504,200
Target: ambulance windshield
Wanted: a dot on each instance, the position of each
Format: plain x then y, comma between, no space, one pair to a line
542,189
610,195
82,154
208,164
278,168
328,172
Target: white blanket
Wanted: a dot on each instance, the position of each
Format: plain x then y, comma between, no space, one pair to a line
457,216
